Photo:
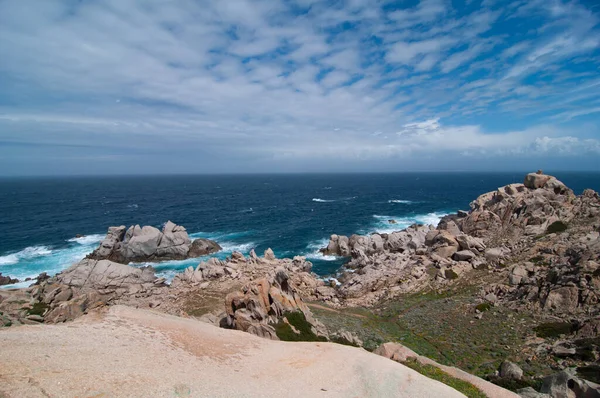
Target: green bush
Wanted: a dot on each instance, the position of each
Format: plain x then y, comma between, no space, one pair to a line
553,329
298,320
38,309
556,227
483,307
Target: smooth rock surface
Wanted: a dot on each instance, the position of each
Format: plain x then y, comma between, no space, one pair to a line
128,352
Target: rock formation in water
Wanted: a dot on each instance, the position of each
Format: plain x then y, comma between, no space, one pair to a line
148,244
7,280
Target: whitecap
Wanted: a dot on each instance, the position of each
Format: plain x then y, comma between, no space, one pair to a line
322,200
383,224
404,202
26,254
133,206
87,239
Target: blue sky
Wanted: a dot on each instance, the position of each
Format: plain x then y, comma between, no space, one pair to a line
189,86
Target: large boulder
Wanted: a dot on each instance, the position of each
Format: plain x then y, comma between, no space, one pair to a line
141,244
510,370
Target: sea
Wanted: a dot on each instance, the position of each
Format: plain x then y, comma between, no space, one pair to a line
40,218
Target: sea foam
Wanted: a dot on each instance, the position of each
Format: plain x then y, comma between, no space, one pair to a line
322,200
383,225
26,254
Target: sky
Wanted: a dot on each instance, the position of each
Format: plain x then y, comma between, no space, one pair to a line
253,86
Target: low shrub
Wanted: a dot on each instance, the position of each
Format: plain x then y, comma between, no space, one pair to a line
553,329
556,227
298,320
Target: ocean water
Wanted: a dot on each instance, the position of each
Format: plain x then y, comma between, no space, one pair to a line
292,214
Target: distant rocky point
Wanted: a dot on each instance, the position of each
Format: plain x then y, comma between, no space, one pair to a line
7,280
142,244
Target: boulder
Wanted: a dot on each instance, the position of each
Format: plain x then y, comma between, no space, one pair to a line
511,371
566,384
202,247
467,242
535,180
563,299
463,255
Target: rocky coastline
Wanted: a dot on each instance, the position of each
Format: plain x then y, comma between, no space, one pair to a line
530,248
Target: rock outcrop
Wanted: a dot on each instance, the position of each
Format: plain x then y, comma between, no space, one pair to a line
518,209
91,284
148,244
263,303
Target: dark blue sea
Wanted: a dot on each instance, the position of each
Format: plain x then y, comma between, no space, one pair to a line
292,214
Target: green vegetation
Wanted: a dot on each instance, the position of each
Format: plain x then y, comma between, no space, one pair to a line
514,385
483,307
556,227
441,326
342,341
538,260
553,329
38,308
298,321
590,372
437,374
450,274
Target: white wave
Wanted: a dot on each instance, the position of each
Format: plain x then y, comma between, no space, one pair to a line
218,236
327,188
20,285
313,251
322,200
88,239
25,254
133,206
405,202
230,247
383,224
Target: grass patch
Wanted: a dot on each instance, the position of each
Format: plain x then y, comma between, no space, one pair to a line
556,227
38,308
483,307
553,329
298,320
437,374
